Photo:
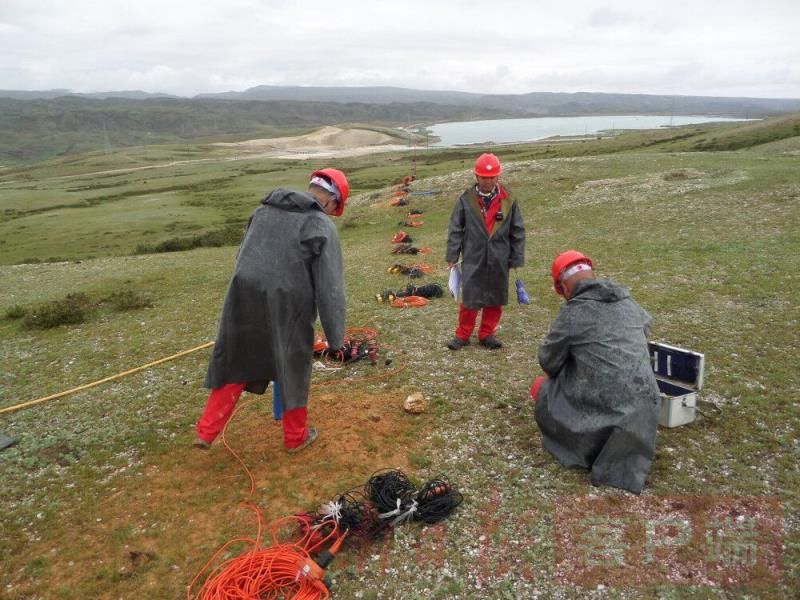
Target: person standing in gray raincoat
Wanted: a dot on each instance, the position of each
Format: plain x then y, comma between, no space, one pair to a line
486,230
597,404
288,270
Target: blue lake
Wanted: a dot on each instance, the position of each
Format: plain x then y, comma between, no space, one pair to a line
505,131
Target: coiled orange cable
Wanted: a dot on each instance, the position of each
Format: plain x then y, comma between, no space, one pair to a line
409,301
399,237
271,572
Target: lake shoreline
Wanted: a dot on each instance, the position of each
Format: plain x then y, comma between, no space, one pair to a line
536,129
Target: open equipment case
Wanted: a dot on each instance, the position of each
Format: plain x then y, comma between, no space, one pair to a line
679,373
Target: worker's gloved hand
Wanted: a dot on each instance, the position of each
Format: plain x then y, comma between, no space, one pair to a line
522,293
340,354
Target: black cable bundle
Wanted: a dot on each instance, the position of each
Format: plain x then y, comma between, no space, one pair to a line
405,249
388,499
351,511
430,290
436,500
412,271
385,488
396,499
360,517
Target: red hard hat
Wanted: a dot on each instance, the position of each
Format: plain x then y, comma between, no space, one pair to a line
337,177
488,165
562,262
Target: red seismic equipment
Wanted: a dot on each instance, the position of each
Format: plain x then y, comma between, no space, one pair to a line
562,262
488,165
339,179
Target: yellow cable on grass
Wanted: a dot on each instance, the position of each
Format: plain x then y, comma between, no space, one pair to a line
111,378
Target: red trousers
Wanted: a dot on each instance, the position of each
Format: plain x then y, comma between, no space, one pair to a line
468,316
537,383
219,408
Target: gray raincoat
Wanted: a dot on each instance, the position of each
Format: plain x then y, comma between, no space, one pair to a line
599,408
289,267
486,258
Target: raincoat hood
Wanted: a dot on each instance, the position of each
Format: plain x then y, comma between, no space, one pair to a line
599,290
292,201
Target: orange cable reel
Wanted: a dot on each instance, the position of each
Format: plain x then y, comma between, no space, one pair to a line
410,302
399,237
424,267
283,569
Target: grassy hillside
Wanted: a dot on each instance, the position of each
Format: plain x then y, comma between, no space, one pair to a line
103,497
109,205
34,129
44,128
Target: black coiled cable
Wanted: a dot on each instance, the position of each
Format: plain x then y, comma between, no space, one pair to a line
385,488
436,500
430,290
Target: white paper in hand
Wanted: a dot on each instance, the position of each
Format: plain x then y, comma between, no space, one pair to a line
455,282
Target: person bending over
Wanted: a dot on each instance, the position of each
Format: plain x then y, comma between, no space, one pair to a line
288,270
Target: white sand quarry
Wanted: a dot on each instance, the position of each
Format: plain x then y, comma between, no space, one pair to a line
323,143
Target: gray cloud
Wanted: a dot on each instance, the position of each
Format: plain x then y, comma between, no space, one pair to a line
677,47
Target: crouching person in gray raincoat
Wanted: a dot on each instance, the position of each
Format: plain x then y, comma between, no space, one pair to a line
289,269
597,404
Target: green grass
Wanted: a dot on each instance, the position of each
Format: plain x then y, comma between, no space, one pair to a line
708,241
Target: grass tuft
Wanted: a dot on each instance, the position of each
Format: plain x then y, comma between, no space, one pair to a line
70,310
15,312
125,300
230,235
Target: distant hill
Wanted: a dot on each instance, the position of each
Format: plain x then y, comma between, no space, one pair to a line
33,95
129,94
38,125
34,129
532,104
58,93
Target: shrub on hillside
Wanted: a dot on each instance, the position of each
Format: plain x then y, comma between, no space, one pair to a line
174,245
70,310
128,300
15,312
230,235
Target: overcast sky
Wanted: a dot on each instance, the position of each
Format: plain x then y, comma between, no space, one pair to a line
700,47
